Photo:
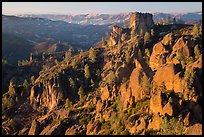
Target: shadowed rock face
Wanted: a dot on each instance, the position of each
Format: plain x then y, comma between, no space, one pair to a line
140,21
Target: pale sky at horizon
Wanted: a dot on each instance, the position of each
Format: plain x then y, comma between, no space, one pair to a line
14,8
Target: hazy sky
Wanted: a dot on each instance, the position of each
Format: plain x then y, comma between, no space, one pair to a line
12,8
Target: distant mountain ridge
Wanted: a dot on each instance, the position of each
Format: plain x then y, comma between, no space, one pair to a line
29,32
103,19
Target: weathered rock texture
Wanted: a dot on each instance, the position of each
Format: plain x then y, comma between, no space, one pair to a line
140,21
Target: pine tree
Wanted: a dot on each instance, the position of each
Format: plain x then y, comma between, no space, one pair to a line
92,54
127,56
195,31
147,55
26,86
81,94
200,30
110,78
174,20
168,19
92,83
141,32
160,21
68,55
145,83
197,52
74,64
103,41
86,71
152,32
56,62
68,104
139,54
32,79
146,38
132,33
124,24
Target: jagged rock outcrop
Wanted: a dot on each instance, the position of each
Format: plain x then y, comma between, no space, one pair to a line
158,56
141,21
167,109
156,102
93,127
126,95
135,84
165,75
184,46
138,21
178,83
168,39
118,34
194,130
50,95
155,122
105,94
140,125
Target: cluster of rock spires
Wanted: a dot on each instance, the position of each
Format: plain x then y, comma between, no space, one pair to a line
138,21
143,108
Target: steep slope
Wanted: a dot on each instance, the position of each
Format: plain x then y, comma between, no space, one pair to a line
44,33
15,48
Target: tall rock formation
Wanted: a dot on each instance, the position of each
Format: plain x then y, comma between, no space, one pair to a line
140,21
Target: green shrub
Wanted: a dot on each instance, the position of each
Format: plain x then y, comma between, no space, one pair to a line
92,54
189,76
81,94
171,127
86,71
146,86
110,78
68,55
68,104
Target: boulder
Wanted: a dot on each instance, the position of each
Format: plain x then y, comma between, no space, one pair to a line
156,102
165,75
99,106
140,124
178,83
155,123
184,46
125,95
105,93
131,121
93,127
62,114
186,120
196,129
168,38
107,115
135,80
168,109
158,56
123,71
71,131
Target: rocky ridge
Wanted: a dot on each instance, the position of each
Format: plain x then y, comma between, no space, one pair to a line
125,92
